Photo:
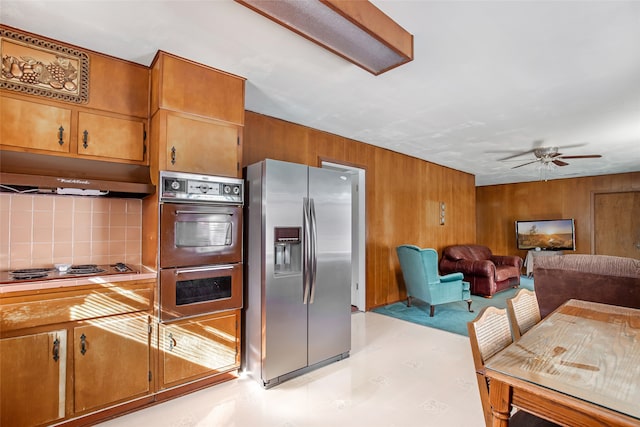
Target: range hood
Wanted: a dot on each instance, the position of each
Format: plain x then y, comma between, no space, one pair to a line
66,175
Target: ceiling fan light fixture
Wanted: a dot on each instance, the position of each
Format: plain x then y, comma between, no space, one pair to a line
543,152
546,168
355,30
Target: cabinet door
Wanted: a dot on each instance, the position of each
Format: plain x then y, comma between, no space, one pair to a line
110,137
34,126
111,360
198,347
182,85
200,146
33,378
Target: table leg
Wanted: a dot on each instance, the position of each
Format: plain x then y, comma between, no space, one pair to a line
500,397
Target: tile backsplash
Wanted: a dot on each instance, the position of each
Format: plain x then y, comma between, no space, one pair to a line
42,230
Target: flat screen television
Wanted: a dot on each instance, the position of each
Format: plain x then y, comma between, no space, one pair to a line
546,234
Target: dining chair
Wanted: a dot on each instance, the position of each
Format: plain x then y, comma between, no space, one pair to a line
489,333
523,312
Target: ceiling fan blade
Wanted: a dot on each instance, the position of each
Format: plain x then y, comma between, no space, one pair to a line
559,162
586,156
524,164
573,145
522,153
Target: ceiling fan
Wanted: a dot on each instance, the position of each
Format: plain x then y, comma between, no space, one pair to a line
548,156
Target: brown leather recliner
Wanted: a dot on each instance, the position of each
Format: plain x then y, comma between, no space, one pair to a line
487,273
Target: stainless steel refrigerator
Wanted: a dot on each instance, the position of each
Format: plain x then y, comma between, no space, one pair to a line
297,301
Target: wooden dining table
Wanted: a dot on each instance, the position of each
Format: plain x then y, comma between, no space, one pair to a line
579,366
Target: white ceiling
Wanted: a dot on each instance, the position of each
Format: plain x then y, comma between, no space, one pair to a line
489,78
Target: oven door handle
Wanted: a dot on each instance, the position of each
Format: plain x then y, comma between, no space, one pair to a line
180,212
201,269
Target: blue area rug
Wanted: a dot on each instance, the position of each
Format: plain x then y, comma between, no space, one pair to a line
452,317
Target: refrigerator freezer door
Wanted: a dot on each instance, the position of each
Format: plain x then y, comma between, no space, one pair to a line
284,341
330,312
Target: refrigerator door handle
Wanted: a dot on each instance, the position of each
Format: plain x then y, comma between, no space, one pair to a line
314,247
306,251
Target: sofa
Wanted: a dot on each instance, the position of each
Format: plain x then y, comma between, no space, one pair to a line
598,278
487,273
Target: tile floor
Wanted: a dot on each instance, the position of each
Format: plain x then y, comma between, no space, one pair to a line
398,375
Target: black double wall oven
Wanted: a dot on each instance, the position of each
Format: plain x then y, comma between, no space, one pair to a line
200,244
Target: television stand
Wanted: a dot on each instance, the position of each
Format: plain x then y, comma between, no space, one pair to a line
532,254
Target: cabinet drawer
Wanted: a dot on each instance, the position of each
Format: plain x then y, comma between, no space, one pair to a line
21,312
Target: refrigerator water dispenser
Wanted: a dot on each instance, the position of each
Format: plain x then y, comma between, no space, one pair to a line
287,250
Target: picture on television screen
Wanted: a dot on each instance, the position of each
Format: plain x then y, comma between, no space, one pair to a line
547,234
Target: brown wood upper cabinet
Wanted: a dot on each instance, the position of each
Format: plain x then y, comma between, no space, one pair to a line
197,118
34,126
112,137
47,128
192,144
178,84
109,125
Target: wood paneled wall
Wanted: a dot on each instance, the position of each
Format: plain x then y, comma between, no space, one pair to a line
403,195
498,206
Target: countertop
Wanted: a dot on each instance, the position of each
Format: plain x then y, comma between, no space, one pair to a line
143,273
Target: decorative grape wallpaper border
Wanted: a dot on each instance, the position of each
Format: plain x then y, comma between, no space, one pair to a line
39,67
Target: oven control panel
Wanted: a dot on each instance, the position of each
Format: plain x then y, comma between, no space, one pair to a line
187,187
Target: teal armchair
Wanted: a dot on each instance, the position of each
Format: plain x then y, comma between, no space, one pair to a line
420,272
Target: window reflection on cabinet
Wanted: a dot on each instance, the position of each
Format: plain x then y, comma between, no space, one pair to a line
114,353
197,347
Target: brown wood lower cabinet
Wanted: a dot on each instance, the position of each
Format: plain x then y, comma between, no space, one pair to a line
33,369
69,352
197,347
110,364
110,360
80,355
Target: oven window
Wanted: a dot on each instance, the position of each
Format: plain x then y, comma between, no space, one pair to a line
201,290
202,234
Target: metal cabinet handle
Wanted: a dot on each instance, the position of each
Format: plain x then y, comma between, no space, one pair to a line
83,344
173,155
172,342
61,135
56,349
85,138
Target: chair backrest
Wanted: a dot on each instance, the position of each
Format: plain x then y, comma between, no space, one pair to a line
430,264
419,268
489,333
467,252
523,312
